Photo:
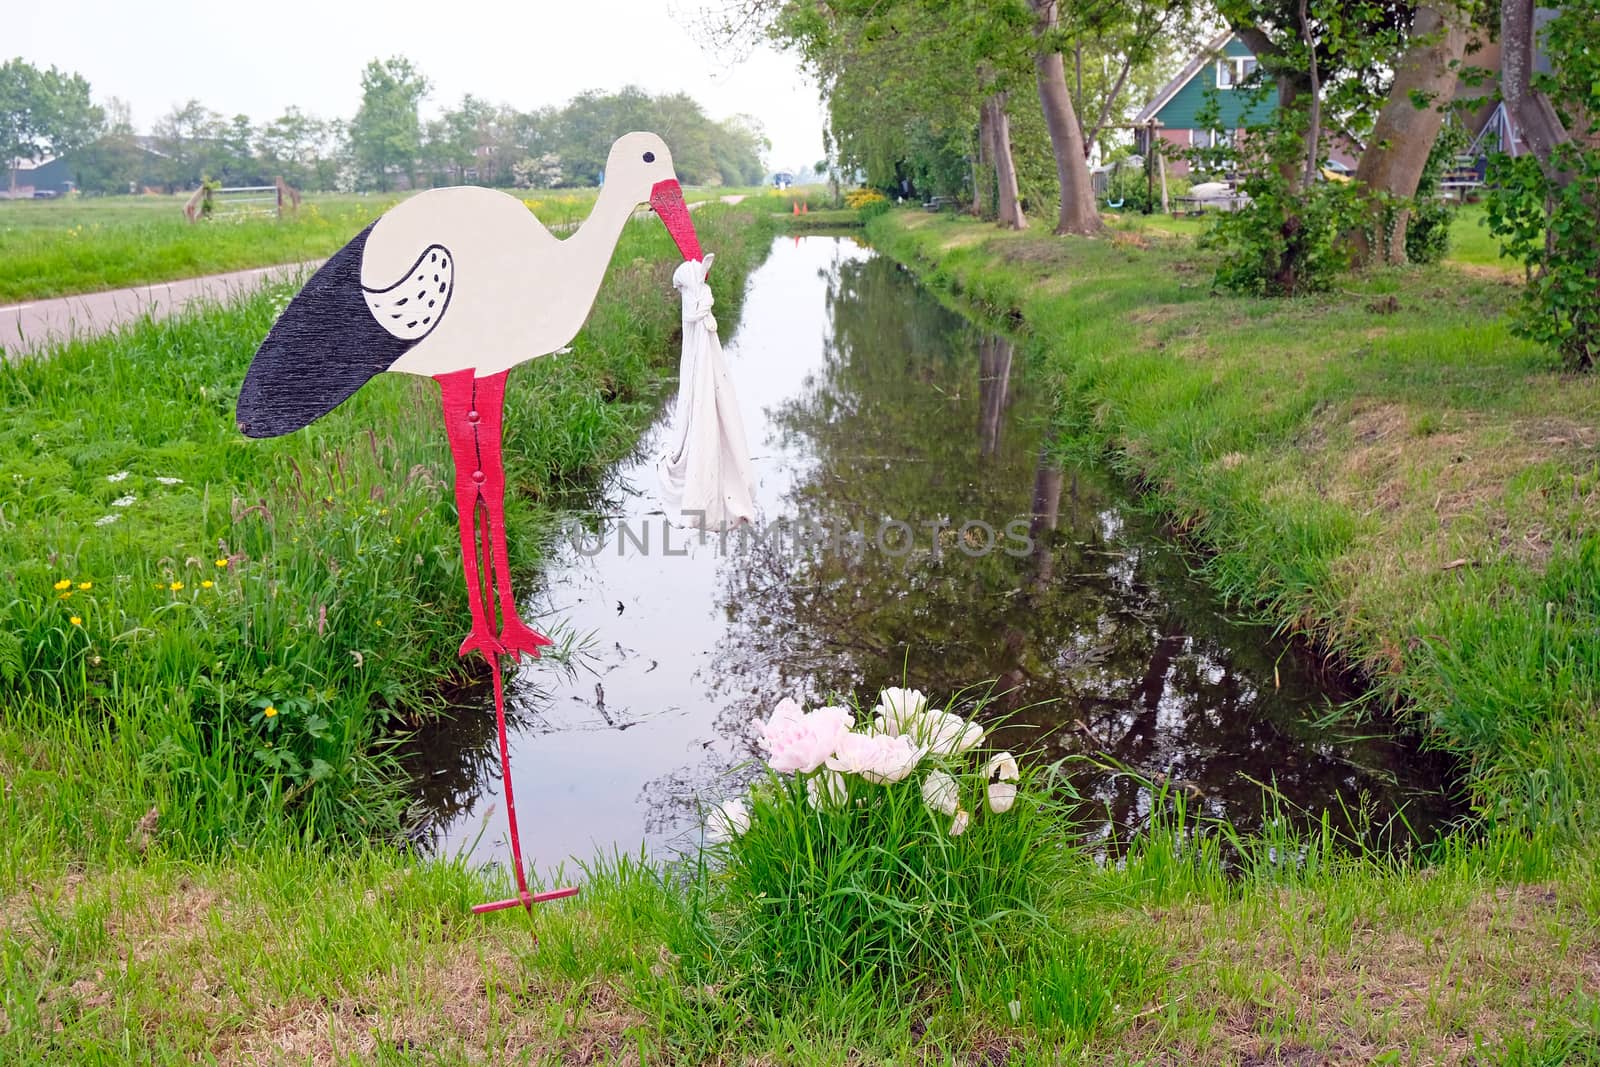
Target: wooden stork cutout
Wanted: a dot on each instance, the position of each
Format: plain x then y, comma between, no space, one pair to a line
460,285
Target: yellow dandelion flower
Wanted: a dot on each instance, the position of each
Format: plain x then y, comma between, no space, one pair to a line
64,596
207,584
85,585
65,583
175,586
222,562
269,711
380,622
75,621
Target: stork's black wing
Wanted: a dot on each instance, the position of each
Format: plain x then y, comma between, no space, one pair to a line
324,347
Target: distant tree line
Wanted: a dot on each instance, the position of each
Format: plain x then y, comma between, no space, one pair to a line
386,145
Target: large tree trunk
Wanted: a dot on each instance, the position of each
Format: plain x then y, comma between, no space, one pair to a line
982,163
1011,216
1536,120
1291,85
1078,214
1405,134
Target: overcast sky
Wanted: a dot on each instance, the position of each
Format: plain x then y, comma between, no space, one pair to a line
263,57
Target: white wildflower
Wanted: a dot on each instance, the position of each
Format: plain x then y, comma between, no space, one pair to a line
826,789
117,477
123,501
727,821
1003,773
940,793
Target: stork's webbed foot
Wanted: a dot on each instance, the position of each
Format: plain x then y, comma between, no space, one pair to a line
482,639
517,636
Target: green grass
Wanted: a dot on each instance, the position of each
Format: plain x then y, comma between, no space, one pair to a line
52,248
1471,244
1384,469
299,955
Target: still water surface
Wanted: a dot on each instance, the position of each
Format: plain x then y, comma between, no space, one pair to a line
869,405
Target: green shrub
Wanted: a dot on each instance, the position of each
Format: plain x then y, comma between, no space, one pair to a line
1546,214
1428,231
1284,242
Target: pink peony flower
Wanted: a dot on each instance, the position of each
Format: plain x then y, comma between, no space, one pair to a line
878,758
798,742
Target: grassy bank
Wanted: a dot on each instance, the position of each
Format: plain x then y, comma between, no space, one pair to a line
1383,468
293,955
60,247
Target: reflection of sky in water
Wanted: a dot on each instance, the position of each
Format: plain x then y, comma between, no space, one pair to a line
863,399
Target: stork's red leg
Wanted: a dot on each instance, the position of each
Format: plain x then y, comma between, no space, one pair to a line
515,635
461,421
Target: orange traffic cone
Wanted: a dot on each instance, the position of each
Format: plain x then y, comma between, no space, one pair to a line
796,205
805,208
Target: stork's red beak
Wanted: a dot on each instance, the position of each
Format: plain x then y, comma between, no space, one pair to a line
667,200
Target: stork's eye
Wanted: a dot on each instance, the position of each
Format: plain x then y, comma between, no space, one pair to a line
649,157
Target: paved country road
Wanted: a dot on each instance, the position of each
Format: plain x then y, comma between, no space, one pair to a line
29,326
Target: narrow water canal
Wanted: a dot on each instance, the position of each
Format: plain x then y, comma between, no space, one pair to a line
959,554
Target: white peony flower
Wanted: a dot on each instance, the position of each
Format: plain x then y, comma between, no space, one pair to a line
940,793
798,742
943,732
826,789
895,706
878,758
958,825
727,821
947,734
1003,773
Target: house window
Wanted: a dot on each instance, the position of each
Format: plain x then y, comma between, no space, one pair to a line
1233,70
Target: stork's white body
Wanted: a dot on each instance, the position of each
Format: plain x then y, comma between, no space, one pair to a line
511,291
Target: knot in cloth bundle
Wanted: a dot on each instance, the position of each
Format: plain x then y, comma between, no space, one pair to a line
705,470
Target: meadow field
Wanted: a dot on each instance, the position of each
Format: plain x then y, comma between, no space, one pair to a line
52,248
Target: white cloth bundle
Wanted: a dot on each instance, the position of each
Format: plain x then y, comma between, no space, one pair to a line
706,467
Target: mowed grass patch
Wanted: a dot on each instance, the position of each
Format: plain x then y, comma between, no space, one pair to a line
301,955
170,581
1384,468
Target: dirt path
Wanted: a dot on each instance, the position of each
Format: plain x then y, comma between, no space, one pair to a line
29,326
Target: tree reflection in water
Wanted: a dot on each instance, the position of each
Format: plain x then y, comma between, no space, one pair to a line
1099,639
1090,633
